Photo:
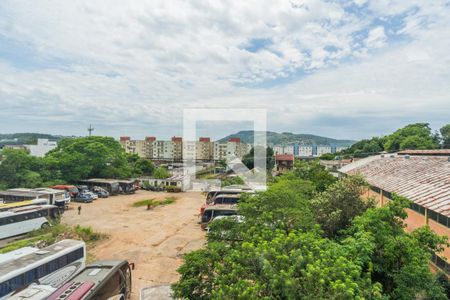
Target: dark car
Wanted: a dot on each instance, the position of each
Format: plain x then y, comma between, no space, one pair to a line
83,197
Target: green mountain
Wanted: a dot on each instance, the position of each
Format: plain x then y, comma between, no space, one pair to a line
285,138
26,138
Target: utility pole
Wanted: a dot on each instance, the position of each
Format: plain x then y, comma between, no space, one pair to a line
90,129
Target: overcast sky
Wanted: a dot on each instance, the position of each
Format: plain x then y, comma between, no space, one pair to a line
343,69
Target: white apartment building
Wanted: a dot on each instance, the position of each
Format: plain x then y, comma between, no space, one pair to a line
305,151
42,147
278,150
341,148
323,150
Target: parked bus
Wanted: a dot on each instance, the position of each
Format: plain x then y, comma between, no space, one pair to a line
51,266
222,199
110,185
105,279
214,211
25,219
12,205
54,197
212,194
128,186
71,189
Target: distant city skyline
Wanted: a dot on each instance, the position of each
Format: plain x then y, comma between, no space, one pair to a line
340,69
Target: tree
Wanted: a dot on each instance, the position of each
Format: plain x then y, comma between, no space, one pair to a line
95,156
140,166
445,133
19,169
327,156
161,173
397,259
312,171
248,159
335,208
280,252
231,181
413,136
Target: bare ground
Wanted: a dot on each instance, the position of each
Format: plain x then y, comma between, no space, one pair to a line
154,240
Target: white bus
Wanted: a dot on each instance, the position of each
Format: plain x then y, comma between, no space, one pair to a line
106,279
25,219
51,266
56,197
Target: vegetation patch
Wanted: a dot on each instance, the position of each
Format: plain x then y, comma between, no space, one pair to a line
153,203
57,232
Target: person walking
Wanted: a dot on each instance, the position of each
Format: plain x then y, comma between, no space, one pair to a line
79,210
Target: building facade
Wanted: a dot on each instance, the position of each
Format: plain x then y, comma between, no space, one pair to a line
176,149
42,147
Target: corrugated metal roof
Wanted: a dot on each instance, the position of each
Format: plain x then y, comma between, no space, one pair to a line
422,179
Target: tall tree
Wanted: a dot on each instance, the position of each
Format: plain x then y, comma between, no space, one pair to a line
445,133
413,136
94,156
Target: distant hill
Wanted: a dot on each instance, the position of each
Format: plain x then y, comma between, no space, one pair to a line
275,138
26,138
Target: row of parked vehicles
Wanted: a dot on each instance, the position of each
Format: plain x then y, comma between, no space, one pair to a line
59,271
222,203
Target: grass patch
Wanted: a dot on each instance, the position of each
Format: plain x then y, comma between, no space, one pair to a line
47,236
154,203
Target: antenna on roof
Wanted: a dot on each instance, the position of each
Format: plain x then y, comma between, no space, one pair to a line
90,129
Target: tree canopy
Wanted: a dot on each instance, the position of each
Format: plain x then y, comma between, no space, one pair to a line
72,160
286,248
412,136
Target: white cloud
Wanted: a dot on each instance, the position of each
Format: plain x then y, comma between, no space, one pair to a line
376,38
131,68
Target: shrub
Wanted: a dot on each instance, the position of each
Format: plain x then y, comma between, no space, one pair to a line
173,189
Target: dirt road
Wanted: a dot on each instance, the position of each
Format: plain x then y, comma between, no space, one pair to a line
154,240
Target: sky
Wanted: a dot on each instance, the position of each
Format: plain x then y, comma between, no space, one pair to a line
343,69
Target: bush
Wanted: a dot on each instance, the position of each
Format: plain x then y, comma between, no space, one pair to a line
173,189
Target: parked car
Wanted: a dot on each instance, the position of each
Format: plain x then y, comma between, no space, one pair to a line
83,197
85,190
100,192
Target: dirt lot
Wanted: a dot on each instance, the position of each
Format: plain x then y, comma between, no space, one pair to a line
154,240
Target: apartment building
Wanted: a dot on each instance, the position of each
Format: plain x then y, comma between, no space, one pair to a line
422,176
288,149
204,149
305,151
324,149
143,148
176,149
220,150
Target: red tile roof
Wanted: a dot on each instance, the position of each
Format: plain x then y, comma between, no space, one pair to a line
177,139
426,152
422,179
289,157
235,140
124,138
204,139
150,138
